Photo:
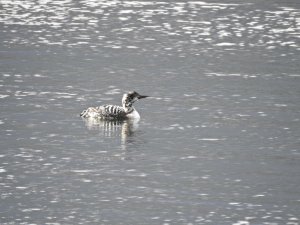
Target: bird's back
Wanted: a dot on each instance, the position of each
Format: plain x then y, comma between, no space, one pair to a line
107,112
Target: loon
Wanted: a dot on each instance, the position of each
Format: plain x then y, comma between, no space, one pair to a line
114,112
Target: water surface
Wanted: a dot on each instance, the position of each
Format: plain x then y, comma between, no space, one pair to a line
218,141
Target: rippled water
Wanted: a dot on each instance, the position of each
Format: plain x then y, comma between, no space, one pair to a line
218,142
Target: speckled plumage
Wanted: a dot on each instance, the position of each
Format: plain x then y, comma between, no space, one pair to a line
114,112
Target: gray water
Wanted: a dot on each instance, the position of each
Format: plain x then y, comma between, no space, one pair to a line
218,141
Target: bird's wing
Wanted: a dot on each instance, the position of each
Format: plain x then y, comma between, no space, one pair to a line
111,111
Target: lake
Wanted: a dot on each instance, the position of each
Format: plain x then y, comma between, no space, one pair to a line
218,141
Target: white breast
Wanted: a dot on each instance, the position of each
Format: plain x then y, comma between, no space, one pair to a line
134,115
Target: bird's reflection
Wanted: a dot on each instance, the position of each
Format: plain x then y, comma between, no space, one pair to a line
115,128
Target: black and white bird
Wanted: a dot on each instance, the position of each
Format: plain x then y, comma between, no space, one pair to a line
114,112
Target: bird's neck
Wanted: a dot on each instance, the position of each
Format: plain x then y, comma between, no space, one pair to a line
128,108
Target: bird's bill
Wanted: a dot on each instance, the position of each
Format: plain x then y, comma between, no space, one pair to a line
142,96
